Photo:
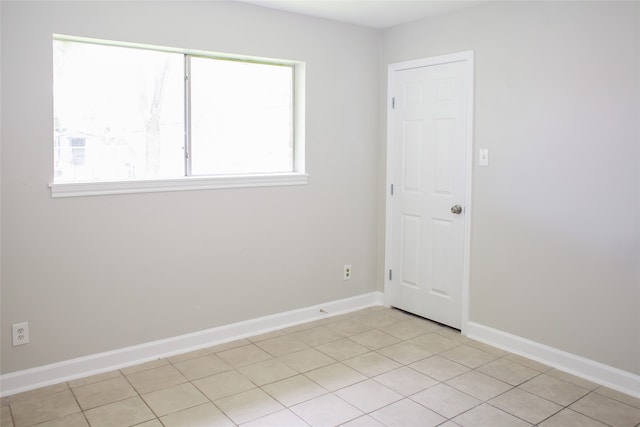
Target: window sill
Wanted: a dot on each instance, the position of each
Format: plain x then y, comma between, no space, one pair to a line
100,188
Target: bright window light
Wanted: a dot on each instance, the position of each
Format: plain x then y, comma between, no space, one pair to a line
126,113
240,117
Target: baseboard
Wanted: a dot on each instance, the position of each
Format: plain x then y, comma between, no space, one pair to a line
596,372
16,382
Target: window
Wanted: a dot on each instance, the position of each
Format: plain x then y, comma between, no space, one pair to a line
144,117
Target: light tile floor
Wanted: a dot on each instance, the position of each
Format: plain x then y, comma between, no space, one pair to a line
375,367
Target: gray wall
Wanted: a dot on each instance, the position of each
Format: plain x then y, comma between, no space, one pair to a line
556,216
556,225
92,274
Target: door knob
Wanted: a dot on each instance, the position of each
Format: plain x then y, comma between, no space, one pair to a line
456,209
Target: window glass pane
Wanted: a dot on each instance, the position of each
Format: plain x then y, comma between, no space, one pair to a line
241,117
118,113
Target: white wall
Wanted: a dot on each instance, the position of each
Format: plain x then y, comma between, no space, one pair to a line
556,220
93,274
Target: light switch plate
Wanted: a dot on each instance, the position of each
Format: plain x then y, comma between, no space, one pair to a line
483,157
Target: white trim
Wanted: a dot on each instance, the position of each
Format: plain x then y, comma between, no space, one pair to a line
67,370
468,58
180,51
433,60
597,372
466,272
177,184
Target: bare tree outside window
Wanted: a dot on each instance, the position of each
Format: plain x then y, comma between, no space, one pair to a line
126,103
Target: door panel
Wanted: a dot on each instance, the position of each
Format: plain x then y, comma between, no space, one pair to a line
428,129
410,250
411,170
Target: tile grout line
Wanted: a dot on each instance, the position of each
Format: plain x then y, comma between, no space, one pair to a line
367,376
139,396
73,393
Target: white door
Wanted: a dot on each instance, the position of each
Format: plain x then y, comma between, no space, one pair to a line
428,145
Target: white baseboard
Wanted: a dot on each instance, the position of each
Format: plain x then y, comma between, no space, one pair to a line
596,372
28,379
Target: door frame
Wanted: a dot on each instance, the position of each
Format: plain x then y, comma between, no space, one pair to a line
468,58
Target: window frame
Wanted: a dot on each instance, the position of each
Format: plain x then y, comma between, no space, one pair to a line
297,176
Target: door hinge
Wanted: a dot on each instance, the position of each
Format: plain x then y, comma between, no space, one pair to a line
390,274
393,103
392,189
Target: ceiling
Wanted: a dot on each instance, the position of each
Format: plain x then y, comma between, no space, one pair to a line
378,14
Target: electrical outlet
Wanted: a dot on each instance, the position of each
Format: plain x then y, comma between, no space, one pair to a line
20,333
346,275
